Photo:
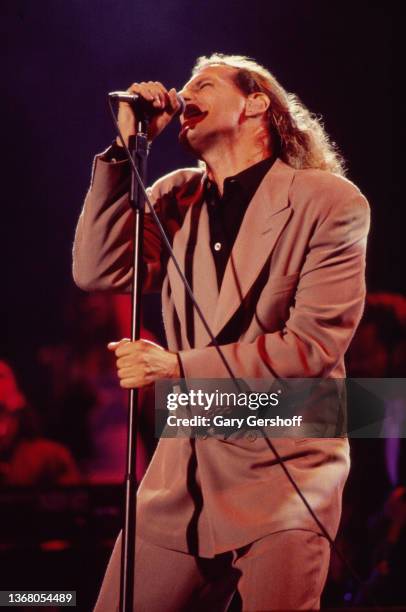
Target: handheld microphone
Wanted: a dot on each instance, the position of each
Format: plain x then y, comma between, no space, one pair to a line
141,104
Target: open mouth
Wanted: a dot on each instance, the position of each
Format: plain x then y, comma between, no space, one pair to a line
192,115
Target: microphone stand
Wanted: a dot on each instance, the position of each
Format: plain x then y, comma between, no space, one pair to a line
138,146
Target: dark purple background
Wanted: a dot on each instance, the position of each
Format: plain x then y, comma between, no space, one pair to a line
61,57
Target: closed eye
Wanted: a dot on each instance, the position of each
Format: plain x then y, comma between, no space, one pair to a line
204,84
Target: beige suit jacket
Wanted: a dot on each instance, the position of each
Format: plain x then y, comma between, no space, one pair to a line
298,268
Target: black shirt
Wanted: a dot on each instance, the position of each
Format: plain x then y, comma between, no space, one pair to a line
227,212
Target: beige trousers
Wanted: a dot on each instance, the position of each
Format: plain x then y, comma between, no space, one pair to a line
286,570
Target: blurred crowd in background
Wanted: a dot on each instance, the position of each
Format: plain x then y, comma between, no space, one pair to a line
81,406
74,433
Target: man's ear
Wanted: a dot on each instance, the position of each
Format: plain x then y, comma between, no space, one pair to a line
257,104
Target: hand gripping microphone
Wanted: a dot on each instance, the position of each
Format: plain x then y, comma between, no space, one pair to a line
140,104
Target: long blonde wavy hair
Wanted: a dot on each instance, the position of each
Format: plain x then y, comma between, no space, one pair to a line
299,135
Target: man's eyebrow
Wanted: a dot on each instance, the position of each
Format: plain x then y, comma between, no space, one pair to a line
201,80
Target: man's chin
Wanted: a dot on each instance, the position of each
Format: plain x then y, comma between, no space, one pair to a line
185,138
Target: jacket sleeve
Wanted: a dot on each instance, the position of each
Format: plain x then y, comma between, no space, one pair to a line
102,250
328,305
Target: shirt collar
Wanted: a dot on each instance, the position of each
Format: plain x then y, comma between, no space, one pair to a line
248,180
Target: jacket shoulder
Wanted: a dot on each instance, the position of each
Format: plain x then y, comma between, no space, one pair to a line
326,193
185,180
322,183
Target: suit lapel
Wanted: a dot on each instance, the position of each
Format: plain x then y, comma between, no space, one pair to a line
192,249
205,286
266,216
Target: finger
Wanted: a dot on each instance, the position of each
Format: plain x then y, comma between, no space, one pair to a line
134,348
142,89
153,91
127,372
147,91
161,91
152,95
157,102
125,362
173,99
129,383
113,346
128,348
133,382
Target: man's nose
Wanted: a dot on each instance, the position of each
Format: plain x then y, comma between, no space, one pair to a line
185,94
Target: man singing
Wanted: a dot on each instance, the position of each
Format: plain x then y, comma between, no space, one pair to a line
272,238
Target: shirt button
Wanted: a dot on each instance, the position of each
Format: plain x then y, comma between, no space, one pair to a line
217,246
